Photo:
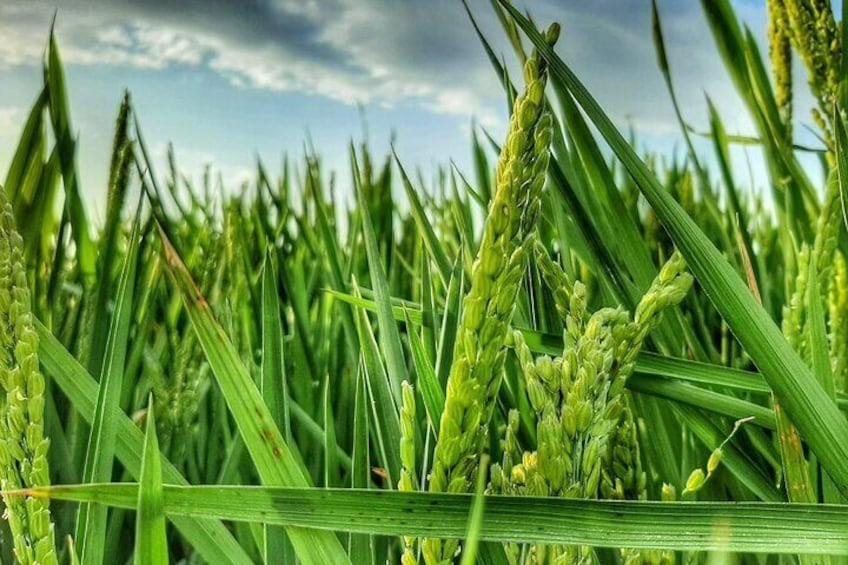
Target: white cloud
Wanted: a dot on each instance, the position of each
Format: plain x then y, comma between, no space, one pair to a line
19,46
389,53
192,165
11,117
355,54
11,120
115,35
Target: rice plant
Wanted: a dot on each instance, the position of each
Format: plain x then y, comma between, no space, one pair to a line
573,353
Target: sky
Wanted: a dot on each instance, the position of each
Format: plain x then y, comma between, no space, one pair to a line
230,81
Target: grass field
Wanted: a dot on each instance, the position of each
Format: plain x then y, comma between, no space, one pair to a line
573,353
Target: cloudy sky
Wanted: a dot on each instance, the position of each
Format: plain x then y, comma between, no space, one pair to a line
227,80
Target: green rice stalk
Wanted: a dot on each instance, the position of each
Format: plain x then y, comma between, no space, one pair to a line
838,322
23,447
495,279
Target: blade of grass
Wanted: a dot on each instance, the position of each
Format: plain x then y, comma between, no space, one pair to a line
734,526
151,542
841,149
450,322
30,146
428,309
820,354
361,546
475,516
60,117
704,399
330,463
425,228
99,460
428,384
119,171
383,407
274,386
702,373
399,311
389,337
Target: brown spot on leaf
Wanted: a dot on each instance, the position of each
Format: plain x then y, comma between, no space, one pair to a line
180,272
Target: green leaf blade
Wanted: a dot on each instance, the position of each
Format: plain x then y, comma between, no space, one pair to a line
151,541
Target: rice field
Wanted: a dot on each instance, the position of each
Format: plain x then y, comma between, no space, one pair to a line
573,353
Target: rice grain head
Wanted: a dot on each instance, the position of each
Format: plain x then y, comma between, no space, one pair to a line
487,309
23,447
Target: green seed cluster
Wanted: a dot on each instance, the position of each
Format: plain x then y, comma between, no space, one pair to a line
585,429
828,228
780,55
495,279
23,447
668,289
555,279
793,313
830,274
578,402
816,37
838,322
176,392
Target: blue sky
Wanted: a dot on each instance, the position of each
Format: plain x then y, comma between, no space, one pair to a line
226,81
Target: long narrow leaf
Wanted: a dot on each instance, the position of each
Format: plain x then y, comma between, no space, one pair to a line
740,527
151,543
91,521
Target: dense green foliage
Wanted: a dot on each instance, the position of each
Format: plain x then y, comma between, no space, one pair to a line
574,356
